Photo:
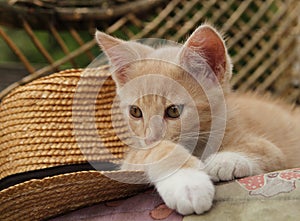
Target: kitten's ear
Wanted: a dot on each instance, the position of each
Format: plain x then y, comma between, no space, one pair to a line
120,54
206,44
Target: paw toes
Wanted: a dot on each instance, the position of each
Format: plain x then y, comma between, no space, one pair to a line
226,166
192,191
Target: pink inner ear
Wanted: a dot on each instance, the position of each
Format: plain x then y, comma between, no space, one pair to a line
121,75
209,45
118,53
119,58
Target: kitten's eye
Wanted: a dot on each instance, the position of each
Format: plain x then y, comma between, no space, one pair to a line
135,111
174,111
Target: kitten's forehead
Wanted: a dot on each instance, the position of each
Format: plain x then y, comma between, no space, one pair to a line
153,104
154,88
166,53
162,78
155,66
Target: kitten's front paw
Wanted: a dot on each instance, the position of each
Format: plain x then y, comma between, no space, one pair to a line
187,191
226,166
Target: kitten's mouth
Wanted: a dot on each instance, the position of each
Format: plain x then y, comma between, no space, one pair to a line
151,141
148,144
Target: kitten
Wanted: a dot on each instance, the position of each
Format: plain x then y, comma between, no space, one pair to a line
170,97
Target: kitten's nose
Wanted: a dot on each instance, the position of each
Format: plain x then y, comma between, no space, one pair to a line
156,130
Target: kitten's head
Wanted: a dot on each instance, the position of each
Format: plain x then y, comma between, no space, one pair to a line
167,92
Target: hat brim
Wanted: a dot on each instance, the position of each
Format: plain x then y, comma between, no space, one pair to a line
38,199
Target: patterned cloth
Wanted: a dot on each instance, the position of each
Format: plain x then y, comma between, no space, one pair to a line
273,196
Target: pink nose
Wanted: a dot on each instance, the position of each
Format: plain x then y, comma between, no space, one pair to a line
156,130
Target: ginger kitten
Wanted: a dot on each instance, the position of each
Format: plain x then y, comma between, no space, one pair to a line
172,98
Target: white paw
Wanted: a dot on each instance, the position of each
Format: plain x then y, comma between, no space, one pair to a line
226,166
187,191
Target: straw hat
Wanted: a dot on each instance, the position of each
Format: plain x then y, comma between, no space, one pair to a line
46,146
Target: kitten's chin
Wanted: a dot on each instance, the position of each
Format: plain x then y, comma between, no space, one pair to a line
148,144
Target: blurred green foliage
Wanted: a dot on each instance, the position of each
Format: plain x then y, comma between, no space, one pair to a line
25,44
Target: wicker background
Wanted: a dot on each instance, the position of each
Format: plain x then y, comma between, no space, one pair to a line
262,35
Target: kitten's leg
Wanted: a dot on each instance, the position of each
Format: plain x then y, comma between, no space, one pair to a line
177,176
224,166
252,157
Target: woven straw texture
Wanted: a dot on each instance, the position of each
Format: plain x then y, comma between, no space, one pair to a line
36,124
262,36
41,199
37,131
